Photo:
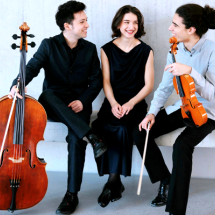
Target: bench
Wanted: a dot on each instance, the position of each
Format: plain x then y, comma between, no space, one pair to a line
56,132
54,151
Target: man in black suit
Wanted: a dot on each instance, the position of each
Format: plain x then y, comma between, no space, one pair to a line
72,81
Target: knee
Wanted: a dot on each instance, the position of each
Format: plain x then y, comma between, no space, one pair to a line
182,146
74,142
138,136
45,96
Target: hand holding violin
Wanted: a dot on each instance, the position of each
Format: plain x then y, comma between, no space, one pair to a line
178,69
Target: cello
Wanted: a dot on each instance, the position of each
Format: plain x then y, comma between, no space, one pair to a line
23,179
193,112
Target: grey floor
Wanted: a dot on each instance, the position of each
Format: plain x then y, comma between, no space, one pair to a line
201,198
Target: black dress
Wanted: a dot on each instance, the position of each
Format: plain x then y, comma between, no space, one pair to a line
127,72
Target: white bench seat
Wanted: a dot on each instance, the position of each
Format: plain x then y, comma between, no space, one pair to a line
56,132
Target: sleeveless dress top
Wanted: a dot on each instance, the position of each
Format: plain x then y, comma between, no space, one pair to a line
127,78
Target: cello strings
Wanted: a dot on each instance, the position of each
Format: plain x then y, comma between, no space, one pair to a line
22,109
19,129
18,116
20,121
18,137
15,140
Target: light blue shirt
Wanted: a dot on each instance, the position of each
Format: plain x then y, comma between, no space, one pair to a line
202,60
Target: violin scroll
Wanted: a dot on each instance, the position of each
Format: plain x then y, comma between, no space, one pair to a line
174,43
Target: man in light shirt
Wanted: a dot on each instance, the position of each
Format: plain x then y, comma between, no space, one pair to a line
195,57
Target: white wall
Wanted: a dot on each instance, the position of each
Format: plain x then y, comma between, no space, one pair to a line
39,15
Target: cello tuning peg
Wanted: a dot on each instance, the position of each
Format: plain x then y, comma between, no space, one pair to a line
32,44
14,46
15,36
30,35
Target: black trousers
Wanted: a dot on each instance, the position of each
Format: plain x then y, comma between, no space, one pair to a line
182,155
78,125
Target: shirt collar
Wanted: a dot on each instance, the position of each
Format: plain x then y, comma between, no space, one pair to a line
197,46
62,40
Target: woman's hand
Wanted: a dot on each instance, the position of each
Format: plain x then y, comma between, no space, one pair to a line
149,118
117,110
127,107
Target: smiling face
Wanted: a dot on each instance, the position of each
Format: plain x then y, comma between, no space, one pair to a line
129,25
178,29
79,25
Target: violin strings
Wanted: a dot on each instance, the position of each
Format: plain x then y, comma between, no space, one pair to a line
174,60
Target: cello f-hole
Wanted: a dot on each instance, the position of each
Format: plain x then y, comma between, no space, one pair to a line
32,167
2,157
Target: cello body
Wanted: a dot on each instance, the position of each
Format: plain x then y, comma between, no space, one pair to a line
31,169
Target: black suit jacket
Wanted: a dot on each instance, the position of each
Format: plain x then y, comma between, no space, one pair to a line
81,81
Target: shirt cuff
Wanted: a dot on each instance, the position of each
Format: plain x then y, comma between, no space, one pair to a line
153,110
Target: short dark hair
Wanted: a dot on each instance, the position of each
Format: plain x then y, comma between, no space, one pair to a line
196,16
65,13
118,19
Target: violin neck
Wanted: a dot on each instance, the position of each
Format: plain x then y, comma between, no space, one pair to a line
178,80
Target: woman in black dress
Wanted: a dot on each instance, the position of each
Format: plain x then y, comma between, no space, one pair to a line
128,77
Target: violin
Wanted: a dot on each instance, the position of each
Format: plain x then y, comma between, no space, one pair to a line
193,112
23,179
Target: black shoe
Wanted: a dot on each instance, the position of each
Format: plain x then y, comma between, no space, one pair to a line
99,147
69,204
161,198
116,194
108,195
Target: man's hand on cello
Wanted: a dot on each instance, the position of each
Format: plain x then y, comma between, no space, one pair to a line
13,91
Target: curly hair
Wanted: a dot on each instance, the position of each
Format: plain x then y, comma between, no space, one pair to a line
118,19
65,13
196,16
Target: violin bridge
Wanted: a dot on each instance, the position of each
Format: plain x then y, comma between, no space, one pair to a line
16,160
